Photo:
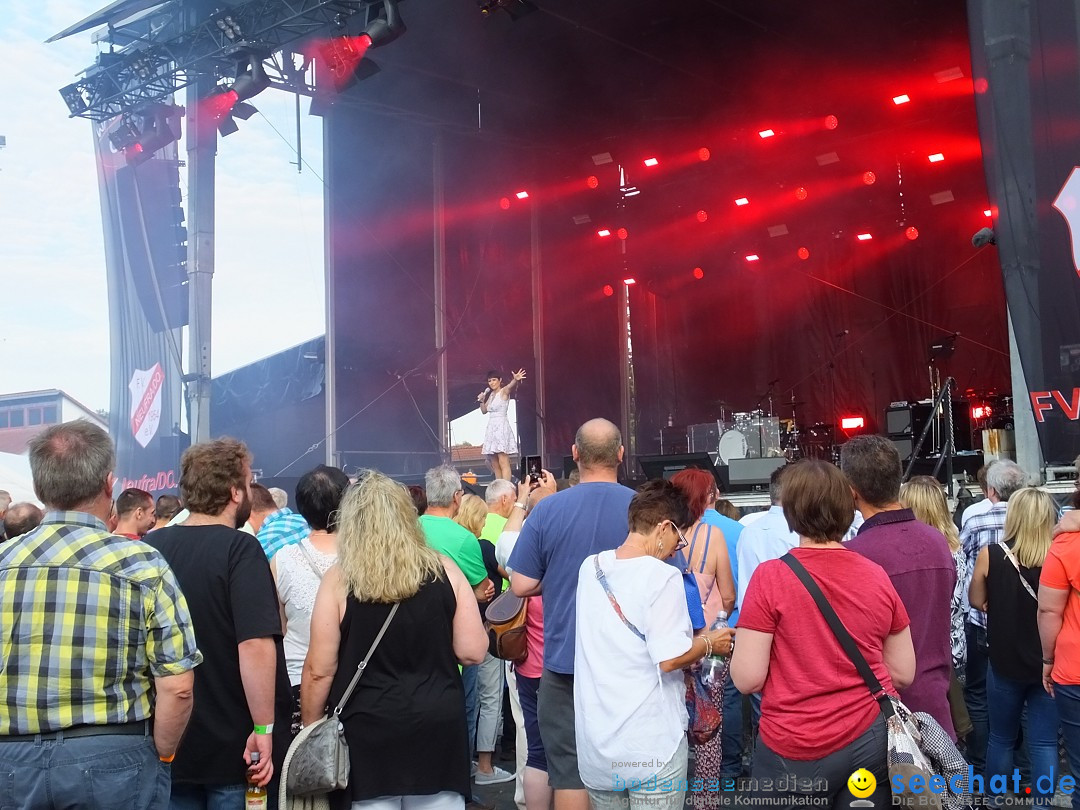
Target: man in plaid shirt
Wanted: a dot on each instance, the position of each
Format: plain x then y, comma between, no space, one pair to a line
97,639
1003,478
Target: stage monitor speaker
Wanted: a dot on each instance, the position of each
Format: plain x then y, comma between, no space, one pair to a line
903,446
667,466
909,420
748,473
962,463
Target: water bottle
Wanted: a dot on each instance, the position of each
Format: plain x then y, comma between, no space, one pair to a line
714,667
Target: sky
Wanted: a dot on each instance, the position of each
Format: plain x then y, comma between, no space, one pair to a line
54,330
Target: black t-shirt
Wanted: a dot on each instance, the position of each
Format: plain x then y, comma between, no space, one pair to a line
230,592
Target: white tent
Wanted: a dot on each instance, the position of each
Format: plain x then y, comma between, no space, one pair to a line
15,477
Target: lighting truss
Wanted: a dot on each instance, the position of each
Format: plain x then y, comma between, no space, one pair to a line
155,55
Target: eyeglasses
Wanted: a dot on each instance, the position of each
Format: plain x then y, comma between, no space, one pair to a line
682,537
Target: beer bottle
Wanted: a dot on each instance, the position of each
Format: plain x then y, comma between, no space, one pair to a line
255,798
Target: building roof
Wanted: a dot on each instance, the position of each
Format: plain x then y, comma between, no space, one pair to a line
6,399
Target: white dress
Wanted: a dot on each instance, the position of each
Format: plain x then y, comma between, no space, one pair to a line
499,436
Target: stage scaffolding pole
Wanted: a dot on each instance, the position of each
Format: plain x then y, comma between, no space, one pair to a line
540,403
439,228
201,156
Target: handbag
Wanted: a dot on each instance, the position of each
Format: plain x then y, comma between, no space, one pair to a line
505,622
318,758
918,745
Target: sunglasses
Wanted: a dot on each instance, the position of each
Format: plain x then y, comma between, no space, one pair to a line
682,537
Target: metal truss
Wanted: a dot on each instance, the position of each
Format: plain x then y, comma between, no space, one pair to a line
154,56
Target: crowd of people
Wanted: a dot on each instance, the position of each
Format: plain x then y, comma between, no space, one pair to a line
165,653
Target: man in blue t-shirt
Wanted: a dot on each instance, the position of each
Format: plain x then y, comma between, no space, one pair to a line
562,530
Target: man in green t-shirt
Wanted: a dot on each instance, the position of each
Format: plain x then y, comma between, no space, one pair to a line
443,488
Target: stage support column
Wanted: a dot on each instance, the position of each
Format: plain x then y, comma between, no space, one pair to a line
540,400
1028,448
626,382
201,156
439,229
330,275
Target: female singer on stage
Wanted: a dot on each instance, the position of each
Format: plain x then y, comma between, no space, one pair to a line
499,440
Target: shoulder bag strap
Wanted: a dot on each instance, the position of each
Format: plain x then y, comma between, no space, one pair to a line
877,691
614,602
363,664
310,560
1016,564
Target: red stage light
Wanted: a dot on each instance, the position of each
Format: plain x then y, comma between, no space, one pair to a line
699,273
650,162
629,281
864,237
703,154
621,233
742,201
703,216
831,122
912,233
978,412
753,257
937,157
504,203
522,195
341,56
219,105
987,212
852,422
593,181
766,133
804,254
609,290
603,232
981,85
869,178
903,98
800,193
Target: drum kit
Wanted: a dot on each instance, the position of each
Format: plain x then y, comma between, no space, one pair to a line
758,433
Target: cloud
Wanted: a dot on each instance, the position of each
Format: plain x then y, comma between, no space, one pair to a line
268,286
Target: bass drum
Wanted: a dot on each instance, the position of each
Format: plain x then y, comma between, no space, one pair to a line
732,445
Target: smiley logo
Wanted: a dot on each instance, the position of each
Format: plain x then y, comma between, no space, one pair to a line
862,783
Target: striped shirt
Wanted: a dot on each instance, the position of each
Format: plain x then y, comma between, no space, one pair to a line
87,620
980,531
281,528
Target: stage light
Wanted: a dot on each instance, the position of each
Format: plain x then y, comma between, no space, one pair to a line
937,157
593,181
987,212
852,422
629,281
903,98
752,257
803,253
869,178
742,201
609,290
801,193
979,412
912,233
522,195
831,122
342,56
74,98
504,203
703,216
699,273
981,85
160,127
124,134
650,162
703,154
864,237
621,233
766,133
603,233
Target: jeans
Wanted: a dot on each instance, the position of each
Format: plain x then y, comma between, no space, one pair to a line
1007,700
208,797
84,772
824,782
731,763
447,800
472,707
644,798
489,689
1067,698
975,696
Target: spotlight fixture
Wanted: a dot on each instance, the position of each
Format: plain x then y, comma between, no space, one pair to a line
742,201
629,281
125,135
937,157
852,422
603,233
608,290
766,133
522,195
504,203
703,154
229,28
903,98
987,212
699,273
227,104
831,122
801,193
803,253
516,9
593,181
864,237
75,98
650,162
753,257
622,233
869,178
912,233
161,126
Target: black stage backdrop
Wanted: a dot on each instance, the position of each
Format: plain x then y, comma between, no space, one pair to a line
533,104
1027,63
144,260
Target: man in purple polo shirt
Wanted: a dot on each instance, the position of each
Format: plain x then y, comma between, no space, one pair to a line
916,557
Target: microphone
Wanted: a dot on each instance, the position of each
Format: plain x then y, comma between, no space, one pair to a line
841,334
984,237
